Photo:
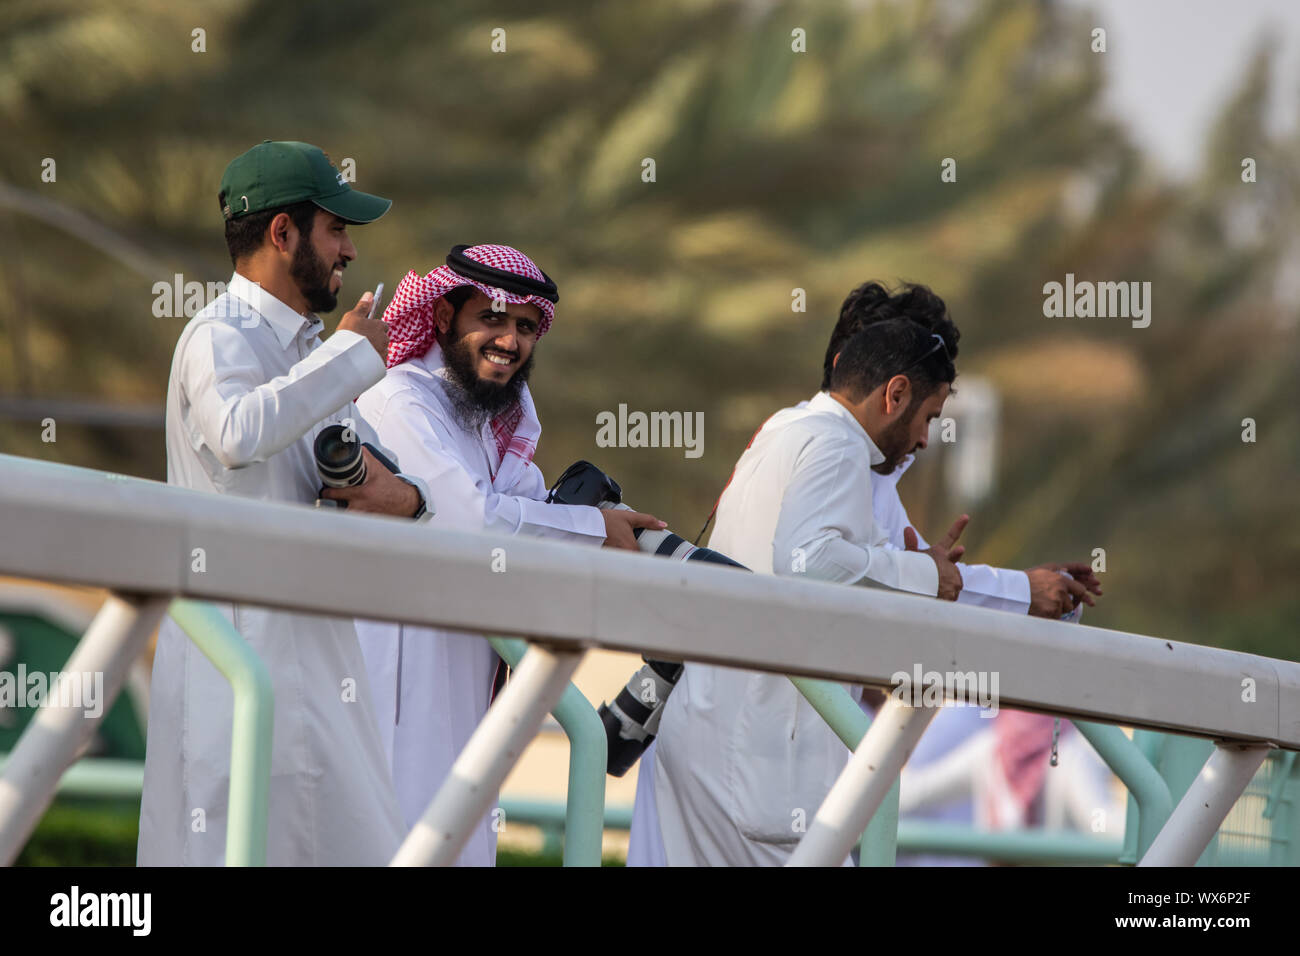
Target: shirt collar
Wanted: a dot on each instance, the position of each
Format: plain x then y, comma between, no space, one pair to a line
822,402
433,363
284,321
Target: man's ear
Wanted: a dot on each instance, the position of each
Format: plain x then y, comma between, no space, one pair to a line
896,393
280,231
835,360
443,313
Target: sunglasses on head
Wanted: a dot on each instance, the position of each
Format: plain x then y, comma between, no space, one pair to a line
939,343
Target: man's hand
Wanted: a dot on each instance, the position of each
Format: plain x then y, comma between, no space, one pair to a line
381,493
376,330
948,544
943,554
1081,571
619,524
1052,594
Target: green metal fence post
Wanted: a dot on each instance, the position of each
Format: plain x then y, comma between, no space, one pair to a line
879,845
1035,847
1280,779
584,814
250,739
1128,759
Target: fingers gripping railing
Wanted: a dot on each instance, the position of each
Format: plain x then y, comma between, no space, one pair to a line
63,725
584,813
493,749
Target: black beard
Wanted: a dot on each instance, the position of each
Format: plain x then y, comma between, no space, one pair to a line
893,441
475,401
313,277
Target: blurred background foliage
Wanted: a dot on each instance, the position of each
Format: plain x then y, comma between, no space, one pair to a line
775,170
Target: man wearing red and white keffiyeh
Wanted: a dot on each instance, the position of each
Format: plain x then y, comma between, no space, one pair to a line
456,408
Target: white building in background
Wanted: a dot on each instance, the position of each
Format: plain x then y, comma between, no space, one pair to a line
967,436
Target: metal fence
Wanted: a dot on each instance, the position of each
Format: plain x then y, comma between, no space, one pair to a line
137,539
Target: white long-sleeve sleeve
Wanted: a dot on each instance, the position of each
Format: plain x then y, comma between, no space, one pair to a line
823,505
366,434
1003,589
244,418
457,478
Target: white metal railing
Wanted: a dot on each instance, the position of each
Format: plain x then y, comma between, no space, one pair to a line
138,537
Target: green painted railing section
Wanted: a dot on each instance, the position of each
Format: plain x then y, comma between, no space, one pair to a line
1150,744
1278,788
879,844
121,778
250,743
98,777
102,778
1014,846
588,755
1152,803
1142,763
914,836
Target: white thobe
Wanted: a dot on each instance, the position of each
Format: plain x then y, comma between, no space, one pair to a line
742,760
1002,589
432,687
251,385
982,585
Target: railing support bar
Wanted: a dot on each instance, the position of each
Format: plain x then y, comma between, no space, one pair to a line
1201,811
879,846
584,811
493,749
63,726
251,729
863,785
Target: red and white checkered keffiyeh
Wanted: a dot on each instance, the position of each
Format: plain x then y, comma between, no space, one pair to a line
411,333
410,314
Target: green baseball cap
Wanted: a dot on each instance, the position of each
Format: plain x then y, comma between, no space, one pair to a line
274,174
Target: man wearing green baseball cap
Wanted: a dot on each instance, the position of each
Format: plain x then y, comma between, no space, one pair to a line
298,182
251,386
271,175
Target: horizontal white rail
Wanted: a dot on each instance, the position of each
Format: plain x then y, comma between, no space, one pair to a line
135,536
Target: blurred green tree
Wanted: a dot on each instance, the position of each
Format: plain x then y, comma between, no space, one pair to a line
776,169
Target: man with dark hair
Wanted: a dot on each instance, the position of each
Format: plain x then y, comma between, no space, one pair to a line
872,302
251,386
740,753
1043,591
455,405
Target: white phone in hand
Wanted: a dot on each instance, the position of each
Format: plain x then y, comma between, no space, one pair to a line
374,303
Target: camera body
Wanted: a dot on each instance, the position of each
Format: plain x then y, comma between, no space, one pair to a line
632,720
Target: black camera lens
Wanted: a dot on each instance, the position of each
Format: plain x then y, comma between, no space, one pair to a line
338,457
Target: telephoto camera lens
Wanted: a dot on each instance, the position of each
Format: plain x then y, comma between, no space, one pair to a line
632,720
338,457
